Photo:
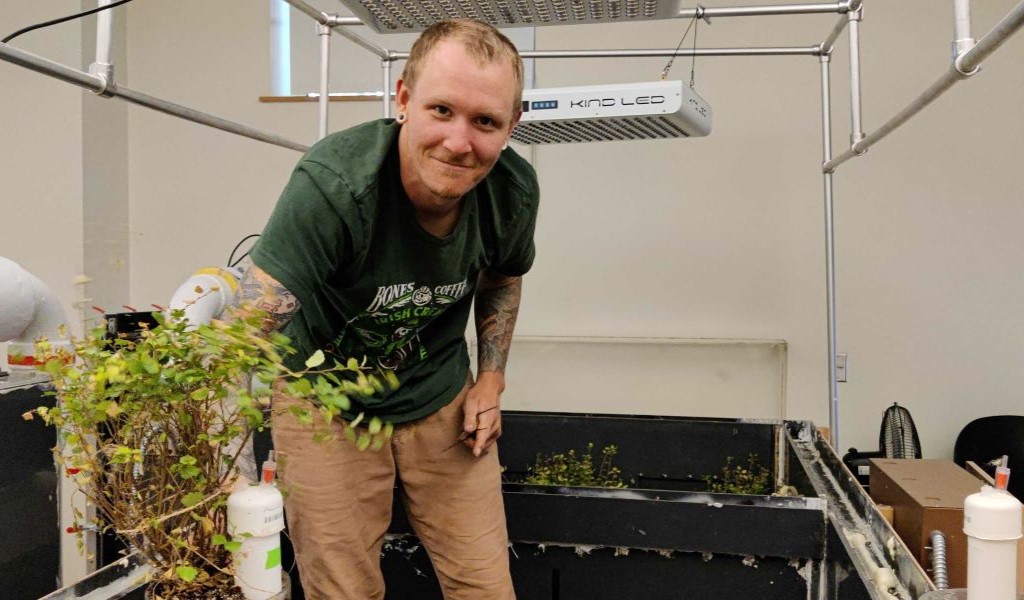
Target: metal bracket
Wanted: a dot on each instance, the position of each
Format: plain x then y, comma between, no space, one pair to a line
702,14
959,68
105,73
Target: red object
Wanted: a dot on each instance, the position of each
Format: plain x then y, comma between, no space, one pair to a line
22,360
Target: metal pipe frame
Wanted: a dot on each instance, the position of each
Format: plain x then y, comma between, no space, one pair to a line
323,103
830,249
829,42
962,40
338,23
963,67
96,84
760,11
856,128
385,67
660,52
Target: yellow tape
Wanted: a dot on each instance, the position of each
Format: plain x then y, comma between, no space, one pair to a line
218,272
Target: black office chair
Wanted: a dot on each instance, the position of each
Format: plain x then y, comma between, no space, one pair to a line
987,439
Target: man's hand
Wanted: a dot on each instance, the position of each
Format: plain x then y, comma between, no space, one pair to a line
481,423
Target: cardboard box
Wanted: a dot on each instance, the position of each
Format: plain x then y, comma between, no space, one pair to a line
925,495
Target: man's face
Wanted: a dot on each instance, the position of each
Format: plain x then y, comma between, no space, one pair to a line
457,120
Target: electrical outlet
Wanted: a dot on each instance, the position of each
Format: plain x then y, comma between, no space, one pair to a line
842,367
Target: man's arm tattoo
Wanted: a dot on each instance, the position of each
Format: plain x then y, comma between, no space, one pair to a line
260,291
497,306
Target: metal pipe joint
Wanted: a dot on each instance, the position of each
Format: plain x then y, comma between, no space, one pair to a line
105,73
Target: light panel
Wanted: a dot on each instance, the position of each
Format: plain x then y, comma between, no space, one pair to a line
402,16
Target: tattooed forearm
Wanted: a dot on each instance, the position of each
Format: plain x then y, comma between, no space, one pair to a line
497,305
260,291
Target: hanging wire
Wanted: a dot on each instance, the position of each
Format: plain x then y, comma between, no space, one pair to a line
668,66
62,19
231,259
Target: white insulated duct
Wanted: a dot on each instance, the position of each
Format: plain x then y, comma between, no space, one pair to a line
28,310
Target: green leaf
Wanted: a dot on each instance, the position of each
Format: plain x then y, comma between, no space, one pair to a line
233,546
316,360
374,426
187,573
218,539
150,365
122,455
191,499
363,442
353,364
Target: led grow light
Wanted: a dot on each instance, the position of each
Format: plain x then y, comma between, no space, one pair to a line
400,16
597,113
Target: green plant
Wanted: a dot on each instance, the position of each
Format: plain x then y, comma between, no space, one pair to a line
570,469
152,431
737,479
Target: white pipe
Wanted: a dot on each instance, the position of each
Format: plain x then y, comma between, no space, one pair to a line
104,33
102,66
962,40
325,74
280,49
30,310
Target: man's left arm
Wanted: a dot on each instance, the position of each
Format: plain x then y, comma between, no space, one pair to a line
496,306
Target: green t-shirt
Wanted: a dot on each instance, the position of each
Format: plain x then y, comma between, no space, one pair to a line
372,282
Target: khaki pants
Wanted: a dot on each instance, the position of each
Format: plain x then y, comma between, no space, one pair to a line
338,506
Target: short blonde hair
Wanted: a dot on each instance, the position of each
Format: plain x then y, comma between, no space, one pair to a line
483,42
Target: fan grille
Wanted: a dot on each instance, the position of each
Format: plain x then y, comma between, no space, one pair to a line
597,130
898,434
393,16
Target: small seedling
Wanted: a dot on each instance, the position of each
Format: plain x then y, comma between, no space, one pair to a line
571,469
751,479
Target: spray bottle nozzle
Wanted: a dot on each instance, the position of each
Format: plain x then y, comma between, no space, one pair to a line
1003,473
269,469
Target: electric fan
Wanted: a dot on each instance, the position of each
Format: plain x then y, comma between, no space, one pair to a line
898,436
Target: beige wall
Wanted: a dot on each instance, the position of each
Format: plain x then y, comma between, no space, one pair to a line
41,155
718,237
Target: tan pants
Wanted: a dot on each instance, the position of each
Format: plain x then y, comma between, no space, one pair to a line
338,507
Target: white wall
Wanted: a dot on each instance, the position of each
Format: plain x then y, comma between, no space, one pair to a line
718,237
41,159
41,181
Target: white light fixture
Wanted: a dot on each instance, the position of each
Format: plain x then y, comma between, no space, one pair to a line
402,16
598,113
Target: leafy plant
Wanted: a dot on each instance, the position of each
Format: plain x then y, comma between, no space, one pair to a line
570,469
152,431
752,479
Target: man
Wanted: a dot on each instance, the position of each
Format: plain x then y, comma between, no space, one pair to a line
382,238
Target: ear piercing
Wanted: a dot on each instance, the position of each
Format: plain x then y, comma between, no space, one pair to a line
400,117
